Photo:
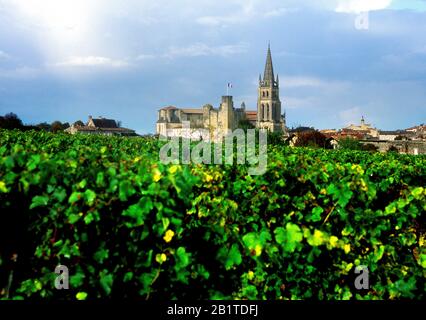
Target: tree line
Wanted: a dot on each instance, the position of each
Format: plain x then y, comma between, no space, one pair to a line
12,121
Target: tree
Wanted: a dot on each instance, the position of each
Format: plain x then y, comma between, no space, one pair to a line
302,129
350,144
393,149
245,125
370,147
275,138
43,126
78,123
11,121
30,127
312,139
56,126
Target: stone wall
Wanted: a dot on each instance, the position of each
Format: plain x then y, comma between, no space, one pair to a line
406,147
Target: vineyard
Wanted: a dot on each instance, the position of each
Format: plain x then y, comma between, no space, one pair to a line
128,227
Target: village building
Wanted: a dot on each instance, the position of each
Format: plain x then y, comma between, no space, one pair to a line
364,129
100,126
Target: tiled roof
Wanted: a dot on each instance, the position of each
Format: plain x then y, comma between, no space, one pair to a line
193,111
104,123
87,128
169,108
251,115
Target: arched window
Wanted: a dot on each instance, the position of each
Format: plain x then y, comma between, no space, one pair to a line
262,112
267,111
267,94
263,94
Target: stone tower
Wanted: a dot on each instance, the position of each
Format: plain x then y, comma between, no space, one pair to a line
226,114
268,101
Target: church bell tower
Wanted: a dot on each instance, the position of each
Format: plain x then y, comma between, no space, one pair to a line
268,101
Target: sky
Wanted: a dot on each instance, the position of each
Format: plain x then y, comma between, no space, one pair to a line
337,60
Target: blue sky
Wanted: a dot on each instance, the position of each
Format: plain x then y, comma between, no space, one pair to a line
64,60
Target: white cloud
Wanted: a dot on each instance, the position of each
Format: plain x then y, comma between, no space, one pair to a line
291,103
331,86
202,49
350,116
294,82
244,11
4,55
279,12
214,21
19,73
92,61
357,6
142,57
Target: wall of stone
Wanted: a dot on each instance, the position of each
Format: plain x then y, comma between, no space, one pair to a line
406,147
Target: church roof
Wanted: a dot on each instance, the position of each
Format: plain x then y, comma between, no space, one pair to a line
268,75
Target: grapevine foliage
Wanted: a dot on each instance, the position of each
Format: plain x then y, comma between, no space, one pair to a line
129,227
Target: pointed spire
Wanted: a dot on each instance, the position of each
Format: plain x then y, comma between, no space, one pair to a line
268,76
278,80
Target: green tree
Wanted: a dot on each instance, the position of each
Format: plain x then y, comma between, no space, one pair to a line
350,144
43,126
11,121
56,126
370,147
313,139
78,123
275,138
393,149
245,124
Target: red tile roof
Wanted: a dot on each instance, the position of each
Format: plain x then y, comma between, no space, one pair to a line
251,115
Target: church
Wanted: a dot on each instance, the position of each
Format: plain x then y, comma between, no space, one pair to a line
203,123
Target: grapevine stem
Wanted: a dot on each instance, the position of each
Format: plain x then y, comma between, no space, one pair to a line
328,215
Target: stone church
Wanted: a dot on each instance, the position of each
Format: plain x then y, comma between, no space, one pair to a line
206,121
